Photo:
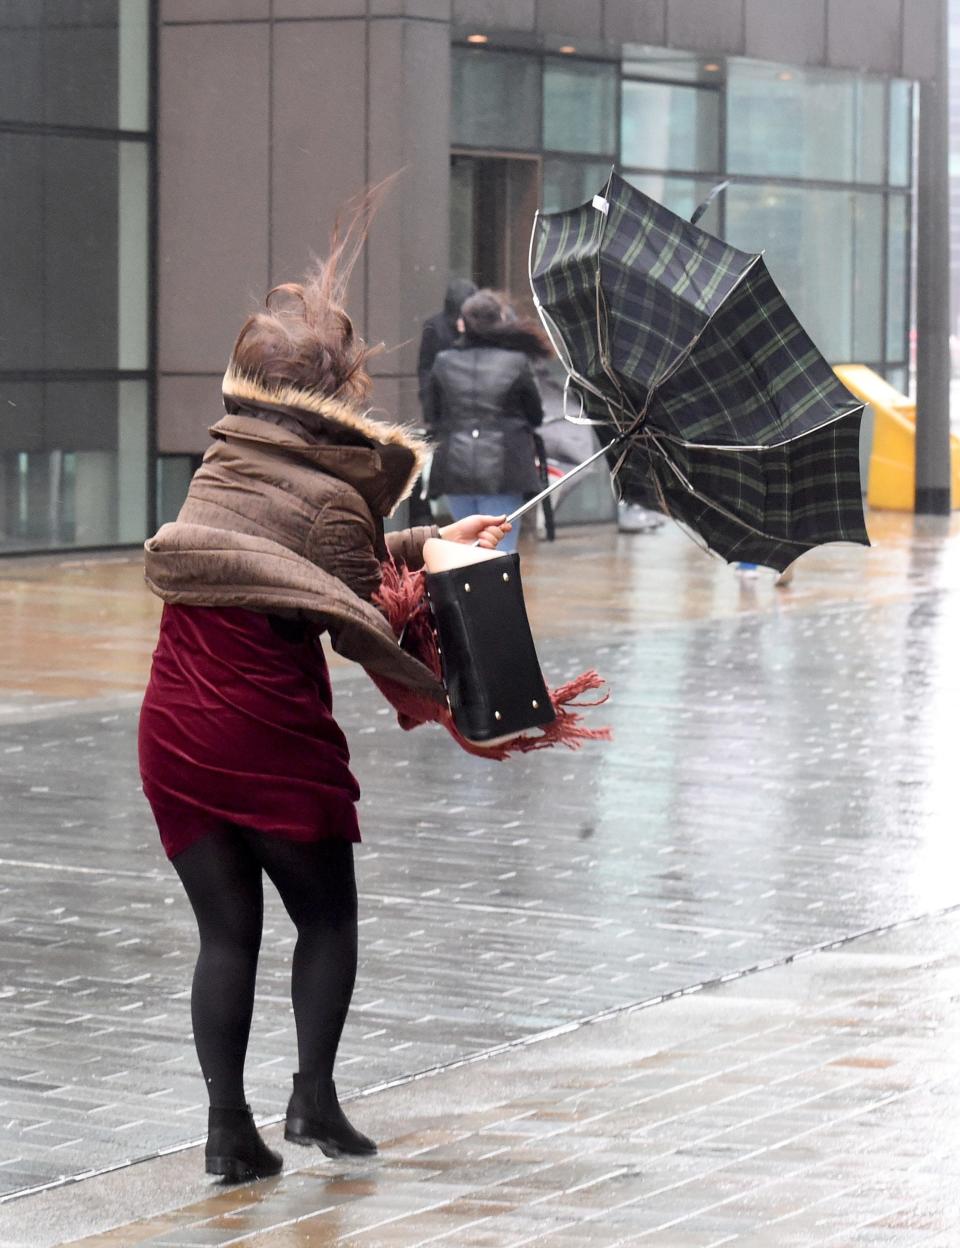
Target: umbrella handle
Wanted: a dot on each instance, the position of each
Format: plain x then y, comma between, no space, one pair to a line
538,498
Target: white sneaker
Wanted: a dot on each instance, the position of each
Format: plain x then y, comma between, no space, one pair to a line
632,518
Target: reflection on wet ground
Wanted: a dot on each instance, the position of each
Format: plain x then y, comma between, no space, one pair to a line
782,776
808,1105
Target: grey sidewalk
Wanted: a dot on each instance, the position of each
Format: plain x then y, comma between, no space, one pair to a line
783,775
810,1104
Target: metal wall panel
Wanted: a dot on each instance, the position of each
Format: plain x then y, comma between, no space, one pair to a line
865,34
921,25
213,10
319,139
783,30
187,407
319,8
570,18
635,21
409,129
437,10
213,228
487,15
716,26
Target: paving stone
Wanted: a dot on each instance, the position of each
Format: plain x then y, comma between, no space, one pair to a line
781,778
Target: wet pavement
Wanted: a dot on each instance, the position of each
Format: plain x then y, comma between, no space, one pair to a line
782,778
811,1104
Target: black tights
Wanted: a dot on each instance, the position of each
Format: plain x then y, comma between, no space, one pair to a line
223,876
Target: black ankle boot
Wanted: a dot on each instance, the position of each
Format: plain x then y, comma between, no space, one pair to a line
235,1149
314,1116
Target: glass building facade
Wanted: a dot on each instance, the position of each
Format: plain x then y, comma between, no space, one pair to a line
819,164
76,160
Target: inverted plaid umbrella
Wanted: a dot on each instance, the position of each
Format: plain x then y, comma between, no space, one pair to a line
714,391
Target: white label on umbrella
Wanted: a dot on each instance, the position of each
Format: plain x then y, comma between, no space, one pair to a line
601,204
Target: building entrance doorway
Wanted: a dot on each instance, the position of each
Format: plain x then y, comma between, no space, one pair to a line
493,200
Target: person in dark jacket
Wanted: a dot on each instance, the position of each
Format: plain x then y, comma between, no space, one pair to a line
482,406
440,331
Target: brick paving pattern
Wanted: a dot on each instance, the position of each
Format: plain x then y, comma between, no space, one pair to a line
806,1105
782,777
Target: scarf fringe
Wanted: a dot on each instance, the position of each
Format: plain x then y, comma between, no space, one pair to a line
402,598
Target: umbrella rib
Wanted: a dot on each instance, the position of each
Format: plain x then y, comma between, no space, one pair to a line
736,448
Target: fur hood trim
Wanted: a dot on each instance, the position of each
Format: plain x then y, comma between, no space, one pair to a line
320,413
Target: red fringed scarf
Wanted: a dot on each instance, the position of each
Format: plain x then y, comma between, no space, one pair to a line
402,598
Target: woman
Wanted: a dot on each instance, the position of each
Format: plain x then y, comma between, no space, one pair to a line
482,407
243,763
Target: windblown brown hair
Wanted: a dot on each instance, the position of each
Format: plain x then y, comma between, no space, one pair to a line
303,336
489,319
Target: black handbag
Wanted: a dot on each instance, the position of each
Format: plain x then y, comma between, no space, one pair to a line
490,667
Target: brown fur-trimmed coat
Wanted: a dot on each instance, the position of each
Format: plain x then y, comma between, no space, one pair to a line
285,516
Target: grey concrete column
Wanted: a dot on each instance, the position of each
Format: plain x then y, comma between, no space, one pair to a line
933,288
214,203
408,111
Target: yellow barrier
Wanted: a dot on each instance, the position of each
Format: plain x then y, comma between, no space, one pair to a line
894,456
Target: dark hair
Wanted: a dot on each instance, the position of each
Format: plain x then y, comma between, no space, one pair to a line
458,292
489,319
303,336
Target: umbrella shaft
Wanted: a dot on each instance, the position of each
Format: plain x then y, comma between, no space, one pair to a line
537,499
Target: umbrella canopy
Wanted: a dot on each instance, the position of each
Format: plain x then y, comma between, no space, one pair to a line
687,348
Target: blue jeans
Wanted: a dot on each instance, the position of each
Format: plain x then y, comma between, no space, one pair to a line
463,505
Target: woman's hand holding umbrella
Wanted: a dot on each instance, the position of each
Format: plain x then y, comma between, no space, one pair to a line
485,531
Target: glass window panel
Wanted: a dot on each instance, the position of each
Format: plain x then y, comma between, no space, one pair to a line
808,238
74,236
496,100
670,127
21,419
870,150
868,211
641,61
21,252
898,276
579,106
81,63
682,196
73,466
133,459
133,251
897,378
80,288
21,60
75,62
901,132
462,197
790,122
567,183
133,48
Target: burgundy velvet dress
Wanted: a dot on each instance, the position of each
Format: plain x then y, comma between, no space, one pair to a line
237,728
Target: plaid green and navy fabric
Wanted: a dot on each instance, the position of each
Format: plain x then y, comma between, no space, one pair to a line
749,436
660,280
754,377
770,505
564,279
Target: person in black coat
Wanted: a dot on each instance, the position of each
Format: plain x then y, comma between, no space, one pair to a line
440,331
482,406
